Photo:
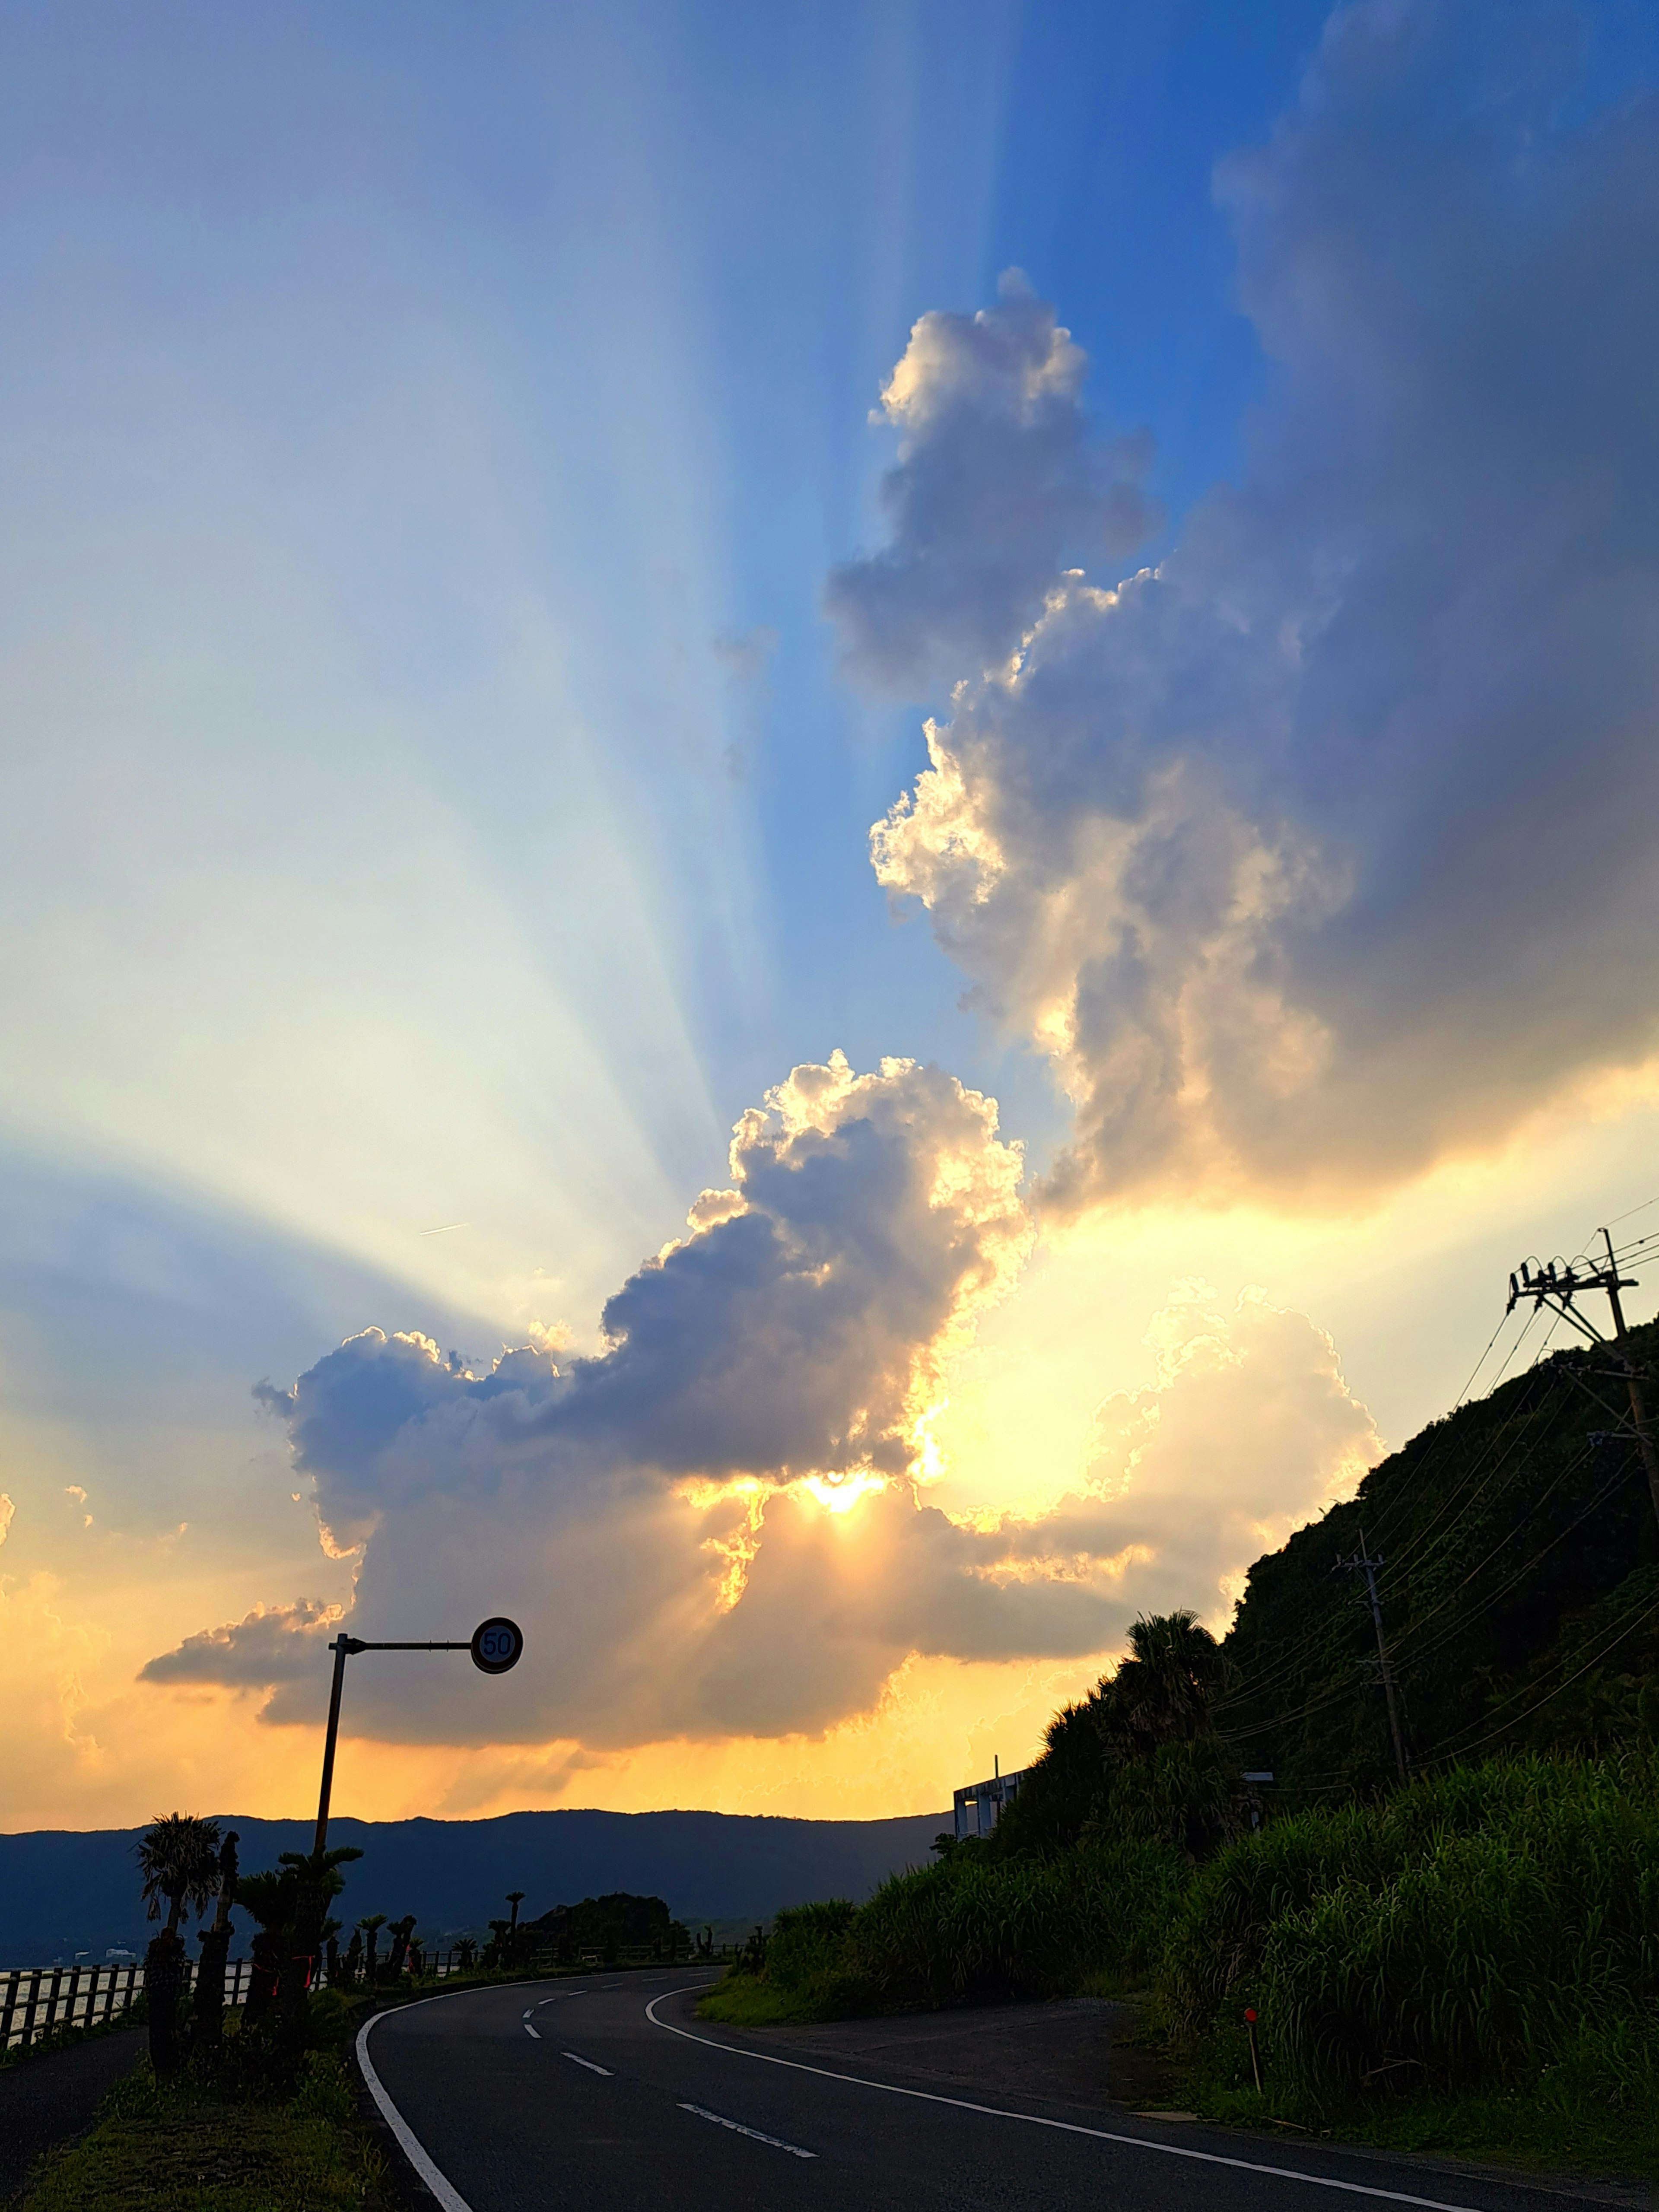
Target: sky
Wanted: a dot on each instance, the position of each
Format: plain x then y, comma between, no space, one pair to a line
825,824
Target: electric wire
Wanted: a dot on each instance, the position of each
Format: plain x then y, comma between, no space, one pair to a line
1291,1662
1455,1750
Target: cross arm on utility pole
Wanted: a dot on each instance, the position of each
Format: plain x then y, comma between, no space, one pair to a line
1556,1284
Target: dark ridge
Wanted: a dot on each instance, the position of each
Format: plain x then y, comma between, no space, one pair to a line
65,1891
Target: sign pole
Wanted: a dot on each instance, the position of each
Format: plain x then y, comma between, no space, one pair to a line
341,1645
496,1645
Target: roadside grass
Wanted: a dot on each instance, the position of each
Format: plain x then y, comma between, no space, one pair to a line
1531,2130
173,2147
234,2139
742,1999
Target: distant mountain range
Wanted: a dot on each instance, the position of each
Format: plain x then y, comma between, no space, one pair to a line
69,1892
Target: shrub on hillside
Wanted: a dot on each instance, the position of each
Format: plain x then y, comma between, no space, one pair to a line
1465,1935
976,1926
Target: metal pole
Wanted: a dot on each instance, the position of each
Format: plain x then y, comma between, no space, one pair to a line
340,1647
1368,1566
1371,1566
1639,1412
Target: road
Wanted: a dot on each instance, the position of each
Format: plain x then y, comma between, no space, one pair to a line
608,2093
45,2100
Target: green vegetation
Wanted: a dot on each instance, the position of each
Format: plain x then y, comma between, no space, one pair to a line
1466,1964
224,2135
1520,1593
611,1927
1487,1934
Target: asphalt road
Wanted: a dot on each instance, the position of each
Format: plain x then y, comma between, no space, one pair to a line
46,2100
608,2093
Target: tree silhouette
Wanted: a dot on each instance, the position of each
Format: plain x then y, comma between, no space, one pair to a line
178,1857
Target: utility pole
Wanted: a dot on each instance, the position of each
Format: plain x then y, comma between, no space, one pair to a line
1555,1284
1364,1562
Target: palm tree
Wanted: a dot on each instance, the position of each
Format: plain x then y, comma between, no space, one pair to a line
178,1855
317,1879
208,2012
1162,1692
178,1858
402,1931
271,1899
371,1927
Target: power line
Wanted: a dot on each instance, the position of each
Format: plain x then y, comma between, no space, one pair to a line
1559,1287
1461,1751
1412,1478
1362,1563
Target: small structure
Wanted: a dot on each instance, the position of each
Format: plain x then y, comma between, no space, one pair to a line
979,1804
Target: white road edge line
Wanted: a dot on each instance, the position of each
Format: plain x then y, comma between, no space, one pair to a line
588,2063
738,2127
1036,2120
446,2195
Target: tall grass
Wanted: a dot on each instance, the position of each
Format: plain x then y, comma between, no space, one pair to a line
1478,1952
975,1926
970,1928
1466,1936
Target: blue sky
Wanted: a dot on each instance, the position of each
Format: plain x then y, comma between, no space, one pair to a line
441,810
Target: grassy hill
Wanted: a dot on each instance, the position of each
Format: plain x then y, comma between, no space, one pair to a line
1520,1595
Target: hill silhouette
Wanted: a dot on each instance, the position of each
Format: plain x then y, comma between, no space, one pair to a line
1519,1591
65,1891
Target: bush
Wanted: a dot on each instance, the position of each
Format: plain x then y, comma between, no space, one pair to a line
976,1926
1468,1935
970,1928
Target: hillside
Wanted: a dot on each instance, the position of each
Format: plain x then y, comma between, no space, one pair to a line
64,1892
1520,1595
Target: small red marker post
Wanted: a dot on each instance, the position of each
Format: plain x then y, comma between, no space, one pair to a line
1255,2060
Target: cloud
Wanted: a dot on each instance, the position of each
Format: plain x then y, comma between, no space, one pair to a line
717,1525
1327,847
745,655
1248,1433
7,1510
997,484
272,1644
721,1526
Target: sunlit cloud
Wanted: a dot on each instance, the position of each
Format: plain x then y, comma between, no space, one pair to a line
1324,847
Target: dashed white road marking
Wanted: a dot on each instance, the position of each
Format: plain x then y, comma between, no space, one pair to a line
576,2058
443,2189
530,2030
753,2134
1036,2120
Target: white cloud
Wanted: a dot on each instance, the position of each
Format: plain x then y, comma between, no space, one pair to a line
1249,1432
717,1526
720,1526
1327,847
997,484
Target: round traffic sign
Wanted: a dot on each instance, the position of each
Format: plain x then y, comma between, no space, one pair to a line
497,1644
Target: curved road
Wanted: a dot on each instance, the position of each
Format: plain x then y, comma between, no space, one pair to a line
609,2092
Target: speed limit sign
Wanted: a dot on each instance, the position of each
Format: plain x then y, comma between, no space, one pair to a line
497,1645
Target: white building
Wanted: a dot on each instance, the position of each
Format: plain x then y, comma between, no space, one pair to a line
979,1804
